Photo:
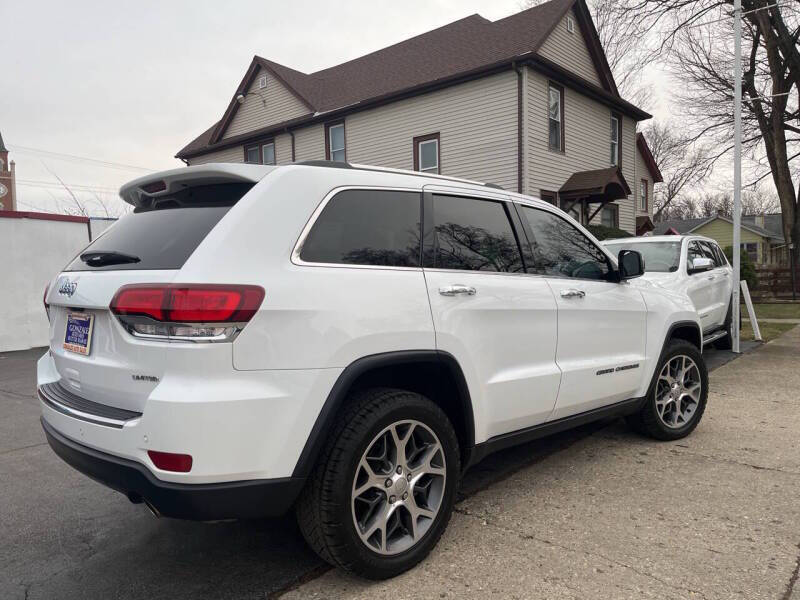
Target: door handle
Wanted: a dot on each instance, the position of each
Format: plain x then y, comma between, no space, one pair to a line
457,290
711,277
572,293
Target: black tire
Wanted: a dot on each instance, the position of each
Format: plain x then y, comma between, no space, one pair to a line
324,509
647,421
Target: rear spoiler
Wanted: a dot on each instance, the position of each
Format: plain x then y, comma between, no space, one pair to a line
141,191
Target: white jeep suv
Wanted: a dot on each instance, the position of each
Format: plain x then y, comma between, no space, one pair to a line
693,265
345,341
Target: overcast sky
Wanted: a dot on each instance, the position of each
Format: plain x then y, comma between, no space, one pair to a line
133,82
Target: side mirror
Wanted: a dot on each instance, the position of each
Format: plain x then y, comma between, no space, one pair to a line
631,264
700,264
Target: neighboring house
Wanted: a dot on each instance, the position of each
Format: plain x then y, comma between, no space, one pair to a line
762,245
527,102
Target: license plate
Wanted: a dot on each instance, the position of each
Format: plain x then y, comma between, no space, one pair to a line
78,334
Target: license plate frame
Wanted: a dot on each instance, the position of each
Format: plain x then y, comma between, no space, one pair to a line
78,333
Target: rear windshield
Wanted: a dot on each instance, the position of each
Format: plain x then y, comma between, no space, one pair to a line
164,235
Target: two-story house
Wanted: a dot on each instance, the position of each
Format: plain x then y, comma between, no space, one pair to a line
527,102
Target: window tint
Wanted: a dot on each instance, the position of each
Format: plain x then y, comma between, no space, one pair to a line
723,260
560,249
366,227
165,235
473,235
708,251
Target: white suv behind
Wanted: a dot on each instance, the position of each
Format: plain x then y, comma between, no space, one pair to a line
692,265
345,341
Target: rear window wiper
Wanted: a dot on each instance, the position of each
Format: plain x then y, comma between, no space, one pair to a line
103,258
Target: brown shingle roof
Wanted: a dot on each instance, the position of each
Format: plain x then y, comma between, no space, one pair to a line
464,46
599,185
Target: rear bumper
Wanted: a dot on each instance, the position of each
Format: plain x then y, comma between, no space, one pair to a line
200,502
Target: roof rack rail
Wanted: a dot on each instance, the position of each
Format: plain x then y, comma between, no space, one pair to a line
331,164
335,164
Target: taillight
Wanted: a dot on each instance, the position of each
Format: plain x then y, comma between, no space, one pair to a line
44,300
168,461
192,312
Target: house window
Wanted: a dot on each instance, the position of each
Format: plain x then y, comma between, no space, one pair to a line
616,134
334,142
609,216
751,249
555,116
268,154
252,155
262,82
549,197
262,153
426,153
570,24
643,200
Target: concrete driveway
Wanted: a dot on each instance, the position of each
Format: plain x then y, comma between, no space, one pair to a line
595,512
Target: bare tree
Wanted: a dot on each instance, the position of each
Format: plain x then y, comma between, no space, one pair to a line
77,205
697,44
683,162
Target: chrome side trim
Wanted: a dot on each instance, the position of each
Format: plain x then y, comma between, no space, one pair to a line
67,403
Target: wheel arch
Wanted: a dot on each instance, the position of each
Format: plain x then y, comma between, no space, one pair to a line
433,373
685,330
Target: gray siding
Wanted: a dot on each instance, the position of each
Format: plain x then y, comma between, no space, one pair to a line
229,155
569,50
476,122
587,145
309,143
283,153
281,105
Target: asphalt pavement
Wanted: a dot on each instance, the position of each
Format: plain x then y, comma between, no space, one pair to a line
65,536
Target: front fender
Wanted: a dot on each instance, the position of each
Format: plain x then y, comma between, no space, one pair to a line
667,312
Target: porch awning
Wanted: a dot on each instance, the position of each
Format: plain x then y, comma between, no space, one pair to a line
644,225
601,186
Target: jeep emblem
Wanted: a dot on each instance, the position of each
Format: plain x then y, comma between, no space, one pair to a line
67,288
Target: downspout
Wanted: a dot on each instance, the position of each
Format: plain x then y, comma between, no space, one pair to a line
517,69
291,134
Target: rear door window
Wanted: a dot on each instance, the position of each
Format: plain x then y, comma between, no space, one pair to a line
472,234
163,235
367,227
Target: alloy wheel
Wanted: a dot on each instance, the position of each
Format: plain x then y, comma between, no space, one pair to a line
678,391
398,487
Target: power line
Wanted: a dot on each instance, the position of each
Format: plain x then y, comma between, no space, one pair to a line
731,15
73,157
56,183
58,186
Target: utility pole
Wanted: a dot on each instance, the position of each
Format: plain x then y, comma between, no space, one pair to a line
737,168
